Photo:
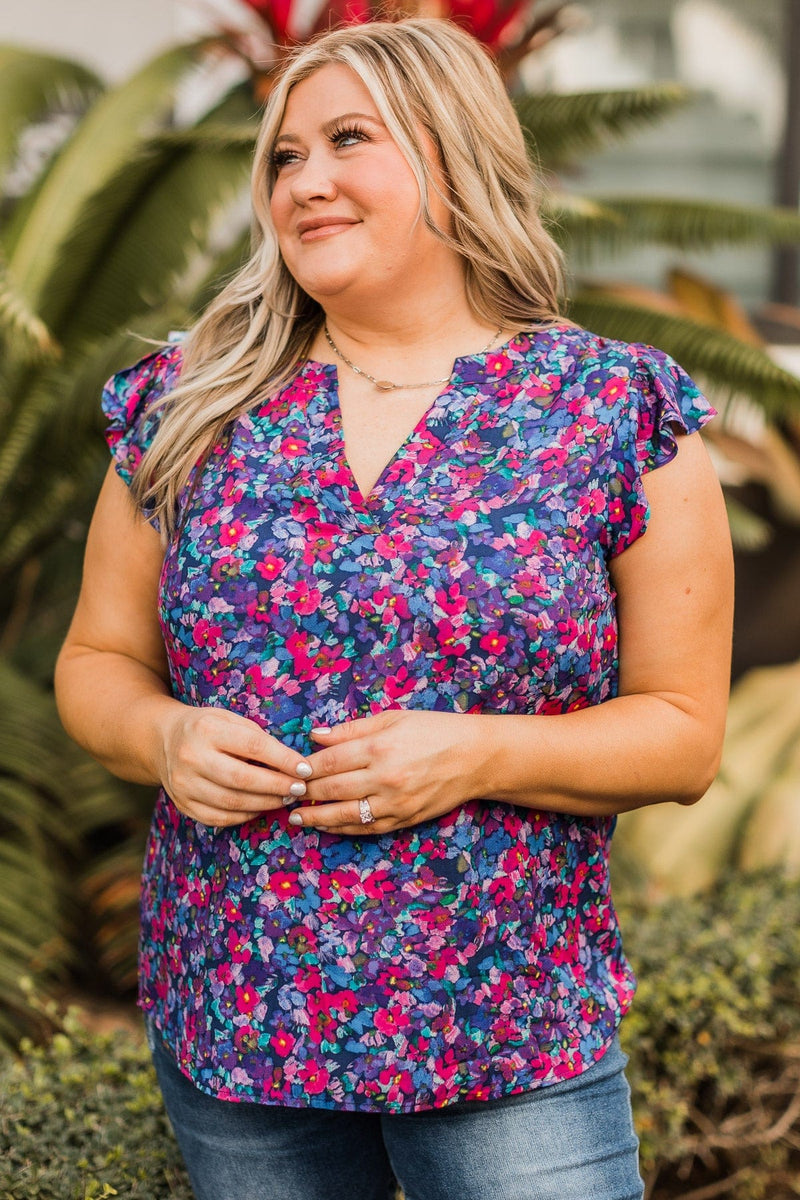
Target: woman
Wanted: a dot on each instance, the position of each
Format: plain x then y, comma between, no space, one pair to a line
362,631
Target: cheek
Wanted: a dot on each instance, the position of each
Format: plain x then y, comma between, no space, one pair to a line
280,210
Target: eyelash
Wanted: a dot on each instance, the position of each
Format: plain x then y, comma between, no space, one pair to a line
280,158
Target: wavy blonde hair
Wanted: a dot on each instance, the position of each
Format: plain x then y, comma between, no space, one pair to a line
423,74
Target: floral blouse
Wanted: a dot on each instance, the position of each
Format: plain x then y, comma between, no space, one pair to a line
475,955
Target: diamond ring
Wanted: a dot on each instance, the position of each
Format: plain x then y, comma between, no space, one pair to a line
365,812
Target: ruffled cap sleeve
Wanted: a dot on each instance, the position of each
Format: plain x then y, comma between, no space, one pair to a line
662,401
129,405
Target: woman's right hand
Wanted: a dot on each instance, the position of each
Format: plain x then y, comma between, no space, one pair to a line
221,769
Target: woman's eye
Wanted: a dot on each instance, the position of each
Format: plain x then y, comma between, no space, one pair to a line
280,158
348,137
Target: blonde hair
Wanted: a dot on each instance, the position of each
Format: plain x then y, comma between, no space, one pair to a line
423,74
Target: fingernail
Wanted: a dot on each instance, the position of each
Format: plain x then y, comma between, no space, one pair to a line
298,789
295,818
303,769
323,729
287,800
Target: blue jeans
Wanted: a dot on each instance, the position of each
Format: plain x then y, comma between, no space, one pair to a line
570,1141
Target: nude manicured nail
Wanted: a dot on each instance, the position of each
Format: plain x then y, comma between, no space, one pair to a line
303,769
287,800
321,729
295,818
298,789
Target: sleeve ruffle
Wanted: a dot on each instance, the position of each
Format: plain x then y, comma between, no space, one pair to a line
663,402
129,405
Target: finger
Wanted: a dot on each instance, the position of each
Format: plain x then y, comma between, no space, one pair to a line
341,817
236,776
209,814
209,793
360,727
243,739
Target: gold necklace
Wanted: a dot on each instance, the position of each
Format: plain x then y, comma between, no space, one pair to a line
386,385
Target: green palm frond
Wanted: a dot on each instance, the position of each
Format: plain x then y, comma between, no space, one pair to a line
692,224
25,335
577,222
53,798
563,127
108,136
156,213
721,360
34,84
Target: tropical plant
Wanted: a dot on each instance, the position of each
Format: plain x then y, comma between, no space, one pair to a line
123,231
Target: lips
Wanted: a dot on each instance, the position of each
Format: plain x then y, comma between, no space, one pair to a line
313,228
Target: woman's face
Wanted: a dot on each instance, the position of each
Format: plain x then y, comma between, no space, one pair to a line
346,204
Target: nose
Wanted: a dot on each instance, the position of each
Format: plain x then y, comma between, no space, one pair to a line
312,179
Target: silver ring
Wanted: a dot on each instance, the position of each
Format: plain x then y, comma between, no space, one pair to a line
365,812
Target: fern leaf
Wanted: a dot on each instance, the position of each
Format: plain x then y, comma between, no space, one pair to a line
723,361
105,139
693,224
563,127
33,85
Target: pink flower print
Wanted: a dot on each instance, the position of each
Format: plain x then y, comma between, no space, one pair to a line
592,502
224,973
314,1078
270,566
616,511
238,949
498,364
232,534
205,633
304,599
392,604
399,684
341,884
494,643
452,639
553,459
396,1084
260,681
246,998
453,601
612,389
291,447
392,545
282,1043
210,516
232,910
392,1020
285,884
233,490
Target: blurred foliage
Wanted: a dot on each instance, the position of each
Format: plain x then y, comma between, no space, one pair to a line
713,1035
750,817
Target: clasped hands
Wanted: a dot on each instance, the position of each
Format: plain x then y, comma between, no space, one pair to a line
222,769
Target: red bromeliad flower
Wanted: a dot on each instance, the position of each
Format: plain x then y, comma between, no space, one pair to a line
508,28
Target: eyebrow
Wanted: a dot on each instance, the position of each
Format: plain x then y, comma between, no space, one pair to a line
332,124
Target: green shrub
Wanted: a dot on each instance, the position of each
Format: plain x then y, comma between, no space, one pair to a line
81,1118
714,1038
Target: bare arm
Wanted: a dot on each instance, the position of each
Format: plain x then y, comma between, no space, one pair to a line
113,692
659,740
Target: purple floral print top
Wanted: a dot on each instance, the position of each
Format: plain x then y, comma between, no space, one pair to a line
475,955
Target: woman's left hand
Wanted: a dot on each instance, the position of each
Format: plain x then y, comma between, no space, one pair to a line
410,766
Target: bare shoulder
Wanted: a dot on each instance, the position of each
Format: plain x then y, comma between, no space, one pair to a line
117,606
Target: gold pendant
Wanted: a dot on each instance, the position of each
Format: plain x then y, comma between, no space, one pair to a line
385,385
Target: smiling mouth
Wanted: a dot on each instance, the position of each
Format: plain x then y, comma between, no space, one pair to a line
329,229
